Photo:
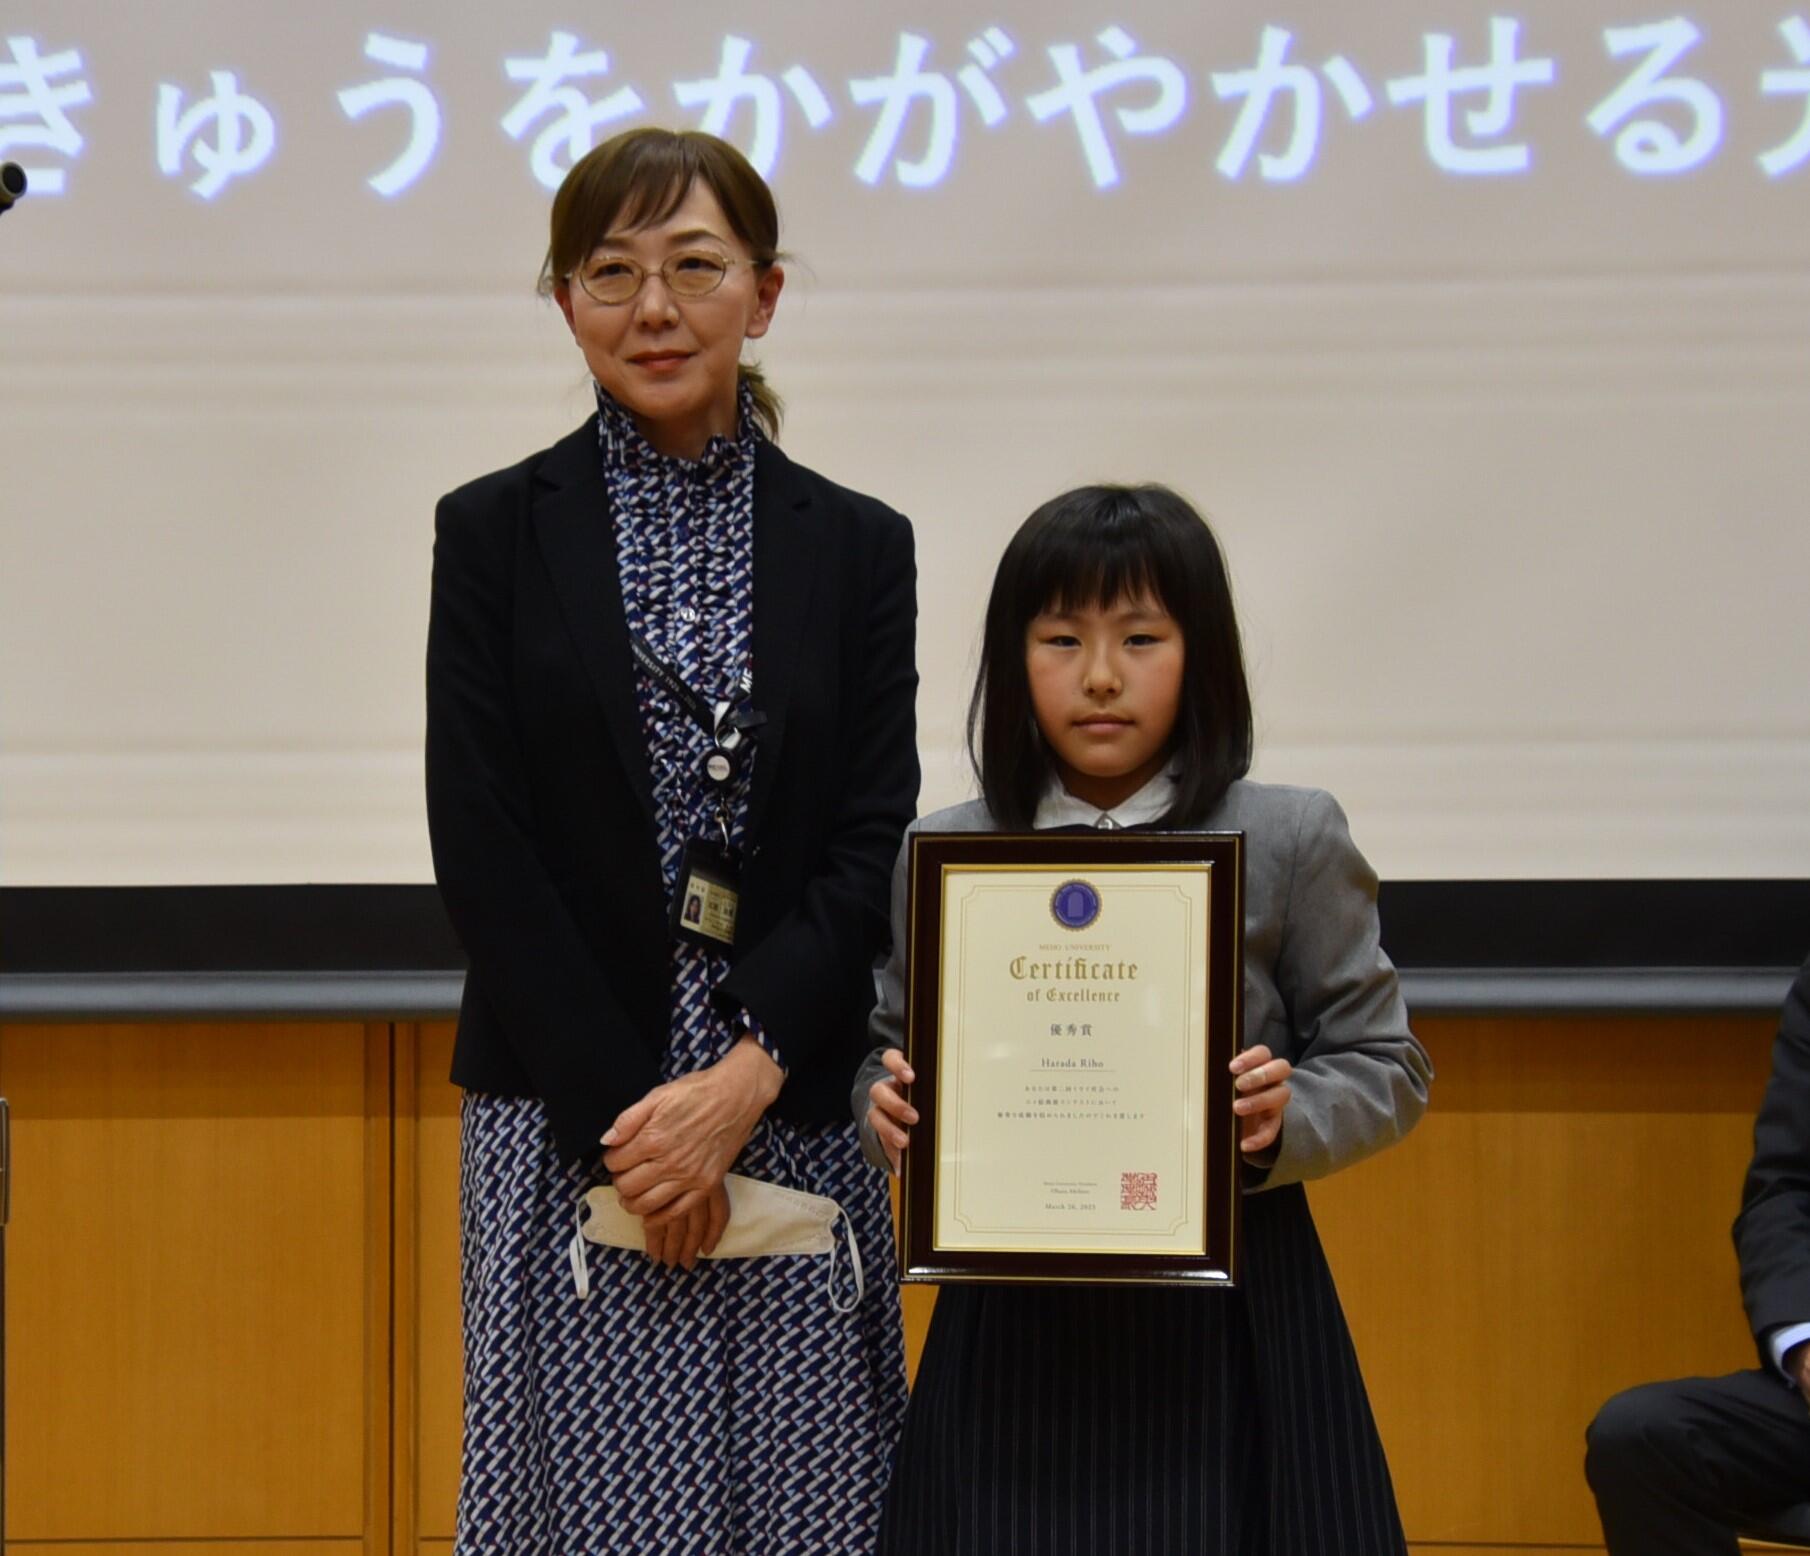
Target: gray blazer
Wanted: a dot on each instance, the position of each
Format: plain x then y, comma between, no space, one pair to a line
1317,987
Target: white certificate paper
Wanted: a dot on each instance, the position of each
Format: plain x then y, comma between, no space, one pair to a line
1071,1086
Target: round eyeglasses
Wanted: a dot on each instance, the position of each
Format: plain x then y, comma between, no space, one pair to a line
615,278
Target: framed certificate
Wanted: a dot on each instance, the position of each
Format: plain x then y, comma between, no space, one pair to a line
1075,1001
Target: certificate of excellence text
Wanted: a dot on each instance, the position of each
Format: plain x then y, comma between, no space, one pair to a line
1071,1089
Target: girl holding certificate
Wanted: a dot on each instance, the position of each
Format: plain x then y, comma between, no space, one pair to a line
1150,1421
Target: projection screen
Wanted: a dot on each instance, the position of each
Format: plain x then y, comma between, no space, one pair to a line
1480,332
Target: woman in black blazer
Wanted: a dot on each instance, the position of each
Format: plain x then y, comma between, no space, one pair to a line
656,638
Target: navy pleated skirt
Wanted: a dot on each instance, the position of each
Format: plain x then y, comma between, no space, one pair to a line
1077,1420
1147,1421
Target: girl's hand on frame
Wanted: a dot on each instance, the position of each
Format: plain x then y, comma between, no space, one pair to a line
1261,1081
888,1113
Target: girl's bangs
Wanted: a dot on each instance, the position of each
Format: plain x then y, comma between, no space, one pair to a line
1084,569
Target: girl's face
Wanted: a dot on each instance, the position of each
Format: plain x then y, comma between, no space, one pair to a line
1106,683
671,361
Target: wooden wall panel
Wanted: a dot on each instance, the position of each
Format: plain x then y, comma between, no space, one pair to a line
188,1548
201,1313
1556,1229
1421,1549
200,1220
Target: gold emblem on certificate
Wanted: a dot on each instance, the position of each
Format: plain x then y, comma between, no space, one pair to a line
1074,1004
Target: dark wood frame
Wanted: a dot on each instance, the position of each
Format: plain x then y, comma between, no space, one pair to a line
931,853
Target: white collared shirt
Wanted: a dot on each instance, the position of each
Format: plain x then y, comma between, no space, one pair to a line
1059,808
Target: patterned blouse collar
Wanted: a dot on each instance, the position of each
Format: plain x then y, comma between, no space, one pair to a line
626,448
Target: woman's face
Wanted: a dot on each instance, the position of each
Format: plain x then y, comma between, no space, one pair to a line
671,361
1106,684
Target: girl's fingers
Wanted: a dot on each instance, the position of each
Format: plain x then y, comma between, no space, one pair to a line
1263,1134
894,1060
1274,1100
1262,1076
887,1099
891,1134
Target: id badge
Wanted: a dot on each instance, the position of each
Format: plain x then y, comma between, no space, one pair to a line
708,893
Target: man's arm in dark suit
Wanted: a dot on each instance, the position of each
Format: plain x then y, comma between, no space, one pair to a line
1772,1232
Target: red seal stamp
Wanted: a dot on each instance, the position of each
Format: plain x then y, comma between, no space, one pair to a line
1137,1191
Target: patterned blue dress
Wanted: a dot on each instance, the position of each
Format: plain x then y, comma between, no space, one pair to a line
725,1411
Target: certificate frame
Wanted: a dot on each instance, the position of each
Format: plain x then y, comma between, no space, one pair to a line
938,860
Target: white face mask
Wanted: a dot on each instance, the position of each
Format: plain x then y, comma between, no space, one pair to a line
764,1219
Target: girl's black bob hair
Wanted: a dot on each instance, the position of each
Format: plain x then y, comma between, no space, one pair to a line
1092,547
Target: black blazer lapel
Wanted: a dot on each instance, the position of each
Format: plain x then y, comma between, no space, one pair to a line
572,522
788,529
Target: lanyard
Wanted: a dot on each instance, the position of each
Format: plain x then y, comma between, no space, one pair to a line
730,725
716,722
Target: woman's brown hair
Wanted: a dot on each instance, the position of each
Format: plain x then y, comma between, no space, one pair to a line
638,179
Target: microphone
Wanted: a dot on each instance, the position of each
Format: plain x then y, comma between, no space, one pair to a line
13,184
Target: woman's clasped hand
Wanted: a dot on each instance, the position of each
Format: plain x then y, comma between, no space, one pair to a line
669,1152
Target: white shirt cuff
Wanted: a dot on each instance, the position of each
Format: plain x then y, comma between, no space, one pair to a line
1781,1340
